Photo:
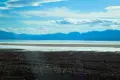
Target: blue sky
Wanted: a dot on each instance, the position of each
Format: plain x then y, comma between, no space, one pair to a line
54,16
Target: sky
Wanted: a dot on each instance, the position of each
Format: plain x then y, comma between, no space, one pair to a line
59,16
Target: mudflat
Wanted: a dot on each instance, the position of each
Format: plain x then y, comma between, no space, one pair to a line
16,64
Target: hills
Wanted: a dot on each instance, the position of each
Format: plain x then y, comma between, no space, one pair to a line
109,35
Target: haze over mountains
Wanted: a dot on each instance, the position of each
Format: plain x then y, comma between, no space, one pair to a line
107,35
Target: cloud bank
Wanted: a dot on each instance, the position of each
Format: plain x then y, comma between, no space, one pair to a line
91,22
65,26
60,19
23,3
63,12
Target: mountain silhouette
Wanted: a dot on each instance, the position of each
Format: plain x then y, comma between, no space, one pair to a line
109,35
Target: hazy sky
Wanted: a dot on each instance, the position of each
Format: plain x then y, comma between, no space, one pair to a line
53,16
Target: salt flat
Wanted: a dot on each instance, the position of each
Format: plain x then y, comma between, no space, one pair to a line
62,45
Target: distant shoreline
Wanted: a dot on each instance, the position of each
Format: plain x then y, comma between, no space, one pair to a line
65,45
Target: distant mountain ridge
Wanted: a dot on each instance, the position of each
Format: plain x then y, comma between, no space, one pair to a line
109,35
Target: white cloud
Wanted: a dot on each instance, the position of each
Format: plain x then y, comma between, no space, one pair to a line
48,1
32,22
50,27
112,8
4,8
90,22
72,21
13,0
56,12
53,12
66,13
73,25
22,3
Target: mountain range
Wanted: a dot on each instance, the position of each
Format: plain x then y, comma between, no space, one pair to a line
107,35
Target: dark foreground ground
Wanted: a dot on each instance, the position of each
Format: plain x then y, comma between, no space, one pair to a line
36,65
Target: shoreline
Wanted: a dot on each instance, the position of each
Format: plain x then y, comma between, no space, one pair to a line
65,45
61,48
